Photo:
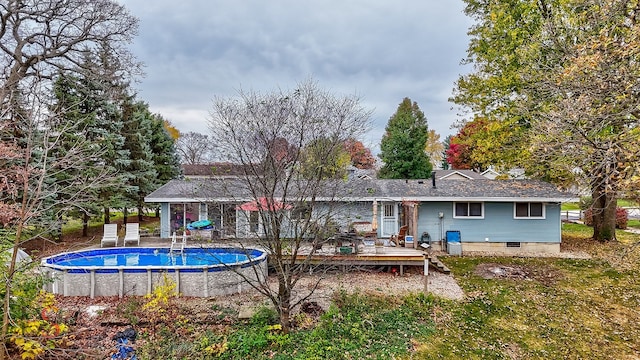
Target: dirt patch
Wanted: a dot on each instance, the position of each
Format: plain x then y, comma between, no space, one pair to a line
498,271
545,275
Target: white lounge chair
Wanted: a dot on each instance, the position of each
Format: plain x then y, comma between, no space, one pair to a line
110,235
132,234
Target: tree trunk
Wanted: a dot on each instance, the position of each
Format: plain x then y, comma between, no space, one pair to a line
85,224
140,214
125,212
57,232
107,216
157,212
284,306
604,213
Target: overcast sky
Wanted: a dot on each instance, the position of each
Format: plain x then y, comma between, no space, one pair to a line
382,51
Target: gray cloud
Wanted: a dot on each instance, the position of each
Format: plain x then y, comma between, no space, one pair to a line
381,50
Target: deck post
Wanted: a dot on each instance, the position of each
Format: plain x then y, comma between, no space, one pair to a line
426,274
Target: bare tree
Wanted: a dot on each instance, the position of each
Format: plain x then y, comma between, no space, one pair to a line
268,133
40,39
195,148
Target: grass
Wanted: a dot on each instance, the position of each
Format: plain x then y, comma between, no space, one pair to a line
74,226
557,309
565,309
621,202
570,206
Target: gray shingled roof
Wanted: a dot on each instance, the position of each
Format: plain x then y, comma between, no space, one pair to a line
231,189
472,175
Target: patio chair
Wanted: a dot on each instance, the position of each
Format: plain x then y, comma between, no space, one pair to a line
399,238
132,234
110,235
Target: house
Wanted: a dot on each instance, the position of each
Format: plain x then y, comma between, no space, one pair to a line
490,173
488,215
458,175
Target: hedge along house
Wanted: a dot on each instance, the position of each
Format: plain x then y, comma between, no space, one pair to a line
489,215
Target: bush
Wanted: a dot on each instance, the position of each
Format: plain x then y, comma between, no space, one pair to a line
586,202
622,217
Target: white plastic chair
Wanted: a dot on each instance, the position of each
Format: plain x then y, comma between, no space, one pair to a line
110,235
132,234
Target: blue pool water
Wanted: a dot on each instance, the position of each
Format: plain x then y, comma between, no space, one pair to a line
153,257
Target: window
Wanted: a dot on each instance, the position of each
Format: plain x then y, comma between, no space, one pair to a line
533,210
468,210
254,221
389,210
301,212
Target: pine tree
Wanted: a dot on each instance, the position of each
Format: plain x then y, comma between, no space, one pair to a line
86,109
165,155
403,144
141,171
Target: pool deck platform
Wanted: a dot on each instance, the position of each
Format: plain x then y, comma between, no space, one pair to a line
330,255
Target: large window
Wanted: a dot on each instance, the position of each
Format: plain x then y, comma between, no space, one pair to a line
468,210
528,210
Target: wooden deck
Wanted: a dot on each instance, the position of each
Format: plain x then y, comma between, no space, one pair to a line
372,256
367,255
330,255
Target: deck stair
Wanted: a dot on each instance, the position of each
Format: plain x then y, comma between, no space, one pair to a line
438,265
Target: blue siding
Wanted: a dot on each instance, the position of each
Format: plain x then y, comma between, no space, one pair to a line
165,227
498,224
343,213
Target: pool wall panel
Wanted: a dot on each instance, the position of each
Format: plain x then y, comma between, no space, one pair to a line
122,281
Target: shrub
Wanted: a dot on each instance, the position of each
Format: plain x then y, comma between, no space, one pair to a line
586,202
34,336
622,217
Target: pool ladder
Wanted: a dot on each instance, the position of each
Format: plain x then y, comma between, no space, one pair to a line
177,246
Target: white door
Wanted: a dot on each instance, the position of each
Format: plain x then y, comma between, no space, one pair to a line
389,219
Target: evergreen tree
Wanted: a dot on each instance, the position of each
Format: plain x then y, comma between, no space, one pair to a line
403,144
86,110
141,171
165,155
74,113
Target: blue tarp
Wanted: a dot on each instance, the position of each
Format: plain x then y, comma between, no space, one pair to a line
200,225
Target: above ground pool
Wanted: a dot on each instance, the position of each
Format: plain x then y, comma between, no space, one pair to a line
137,271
